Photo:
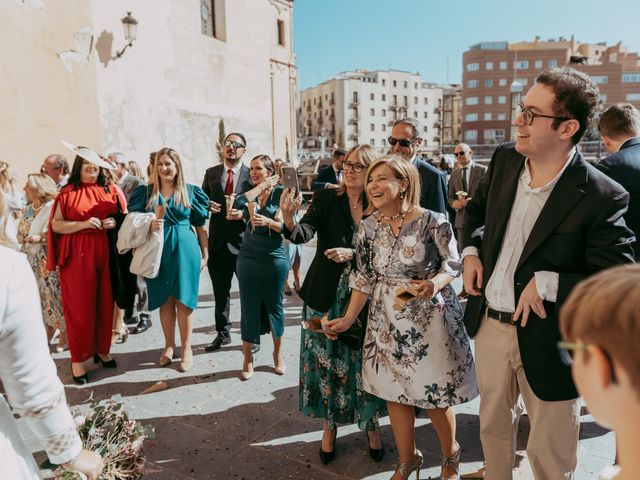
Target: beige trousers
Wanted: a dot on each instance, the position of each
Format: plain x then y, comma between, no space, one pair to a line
555,426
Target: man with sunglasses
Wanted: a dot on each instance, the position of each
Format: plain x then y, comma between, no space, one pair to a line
462,185
229,178
541,220
404,141
331,176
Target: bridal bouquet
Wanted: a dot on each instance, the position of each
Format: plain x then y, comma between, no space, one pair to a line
109,431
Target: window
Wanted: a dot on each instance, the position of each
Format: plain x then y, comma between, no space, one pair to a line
426,101
488,100
406,85
355,96
502,99
503,65
384,97
415,100
372,112
384,82
372,127
395,99
415,85
552,63
383,127
395,84
521,65
426,115
502,82
538,64
473,67
424,129
602,98
473,83
405,100
372,96
415,114
384,112
600,79
502,116
212,19
471,117
633,97
488,82
280,26
372,142
488,66
471,135
522,81
631,77
487,117
472,101
384,142
496,134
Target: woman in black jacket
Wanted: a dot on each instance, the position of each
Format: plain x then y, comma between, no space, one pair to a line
330,381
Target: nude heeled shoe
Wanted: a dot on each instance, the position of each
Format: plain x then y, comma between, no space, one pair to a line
247,374
407,468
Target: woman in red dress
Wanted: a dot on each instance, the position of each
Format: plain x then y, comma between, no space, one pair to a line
78,246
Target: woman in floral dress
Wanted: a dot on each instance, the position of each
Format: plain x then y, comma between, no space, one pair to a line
330,378
416,353
40,191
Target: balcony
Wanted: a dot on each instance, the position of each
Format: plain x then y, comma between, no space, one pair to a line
332,102
354,104
320,121
437,110
391,122
393,107
354,120
354,136
332,118
309,108
437,125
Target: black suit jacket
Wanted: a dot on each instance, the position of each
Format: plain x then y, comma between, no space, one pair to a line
330,217
579,231
433,187
222,231
325,175
624,167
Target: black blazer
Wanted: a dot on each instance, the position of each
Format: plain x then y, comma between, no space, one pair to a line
222,231
325,175
580,231
433,187
624,167
330,217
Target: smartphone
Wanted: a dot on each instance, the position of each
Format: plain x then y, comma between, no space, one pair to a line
290,178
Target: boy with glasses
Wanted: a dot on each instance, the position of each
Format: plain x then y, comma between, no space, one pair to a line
600,322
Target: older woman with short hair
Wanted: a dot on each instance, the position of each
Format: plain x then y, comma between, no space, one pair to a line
33,228
416,350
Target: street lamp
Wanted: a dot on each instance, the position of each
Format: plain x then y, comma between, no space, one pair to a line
130,26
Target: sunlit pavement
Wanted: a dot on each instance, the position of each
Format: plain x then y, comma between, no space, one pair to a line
211,424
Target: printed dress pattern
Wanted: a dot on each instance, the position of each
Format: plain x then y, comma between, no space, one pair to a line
417,354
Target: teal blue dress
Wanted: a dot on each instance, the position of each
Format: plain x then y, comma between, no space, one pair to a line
179,274
262,268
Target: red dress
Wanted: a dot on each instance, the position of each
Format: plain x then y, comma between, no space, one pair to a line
83,259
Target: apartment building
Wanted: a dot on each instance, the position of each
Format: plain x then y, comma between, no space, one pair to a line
361,106
494,72
451,115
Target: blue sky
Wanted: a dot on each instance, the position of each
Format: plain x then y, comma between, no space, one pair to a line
429,36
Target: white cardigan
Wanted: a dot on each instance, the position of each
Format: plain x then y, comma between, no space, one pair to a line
135,233
29,376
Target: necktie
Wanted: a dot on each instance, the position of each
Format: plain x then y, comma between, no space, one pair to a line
464,180
228,188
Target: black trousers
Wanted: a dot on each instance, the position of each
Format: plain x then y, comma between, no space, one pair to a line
222,267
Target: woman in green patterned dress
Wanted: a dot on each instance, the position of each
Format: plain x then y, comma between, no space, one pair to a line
330,371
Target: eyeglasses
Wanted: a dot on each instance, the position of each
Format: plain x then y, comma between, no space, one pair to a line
566,348
528,116
356,167
231,143
459,154
404,143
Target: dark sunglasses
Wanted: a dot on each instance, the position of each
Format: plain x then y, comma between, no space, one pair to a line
231,143
404,143
459,154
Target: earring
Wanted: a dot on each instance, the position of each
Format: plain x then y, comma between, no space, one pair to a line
402,194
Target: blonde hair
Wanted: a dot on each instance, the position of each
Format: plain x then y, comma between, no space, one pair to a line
402,170
604,310
180,196
134,169
4,240
43,185
366,154
7,178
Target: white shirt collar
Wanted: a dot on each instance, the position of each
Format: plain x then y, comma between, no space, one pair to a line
235,169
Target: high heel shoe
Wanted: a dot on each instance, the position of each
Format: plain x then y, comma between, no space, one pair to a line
105,363
82,379
326,457
375,453
166,359
246,374
186,362
296,286
119,336
287,289
407,468
279,369
452,462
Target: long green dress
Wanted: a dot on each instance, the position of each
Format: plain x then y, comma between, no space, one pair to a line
330,372
179,274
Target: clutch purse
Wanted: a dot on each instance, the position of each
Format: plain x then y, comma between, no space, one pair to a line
353,337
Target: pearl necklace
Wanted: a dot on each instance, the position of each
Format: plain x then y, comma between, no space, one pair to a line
402,215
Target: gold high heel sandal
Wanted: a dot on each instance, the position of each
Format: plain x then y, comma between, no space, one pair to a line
454,463
246,375
407,468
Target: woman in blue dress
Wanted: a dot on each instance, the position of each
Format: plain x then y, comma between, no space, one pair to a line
262,263
175,289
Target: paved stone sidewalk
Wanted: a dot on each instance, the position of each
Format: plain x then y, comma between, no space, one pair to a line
210,424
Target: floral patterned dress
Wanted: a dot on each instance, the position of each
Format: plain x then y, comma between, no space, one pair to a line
330,373
48,282
418,353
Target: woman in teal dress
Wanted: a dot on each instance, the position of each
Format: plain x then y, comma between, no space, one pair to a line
175,289
330,371
262,264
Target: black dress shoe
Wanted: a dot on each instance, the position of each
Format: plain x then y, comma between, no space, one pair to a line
217,343
375,453
142,326
255,348
326,457
106,364
133,320
81,380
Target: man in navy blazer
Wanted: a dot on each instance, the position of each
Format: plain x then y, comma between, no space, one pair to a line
404,141
331,176
620,129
